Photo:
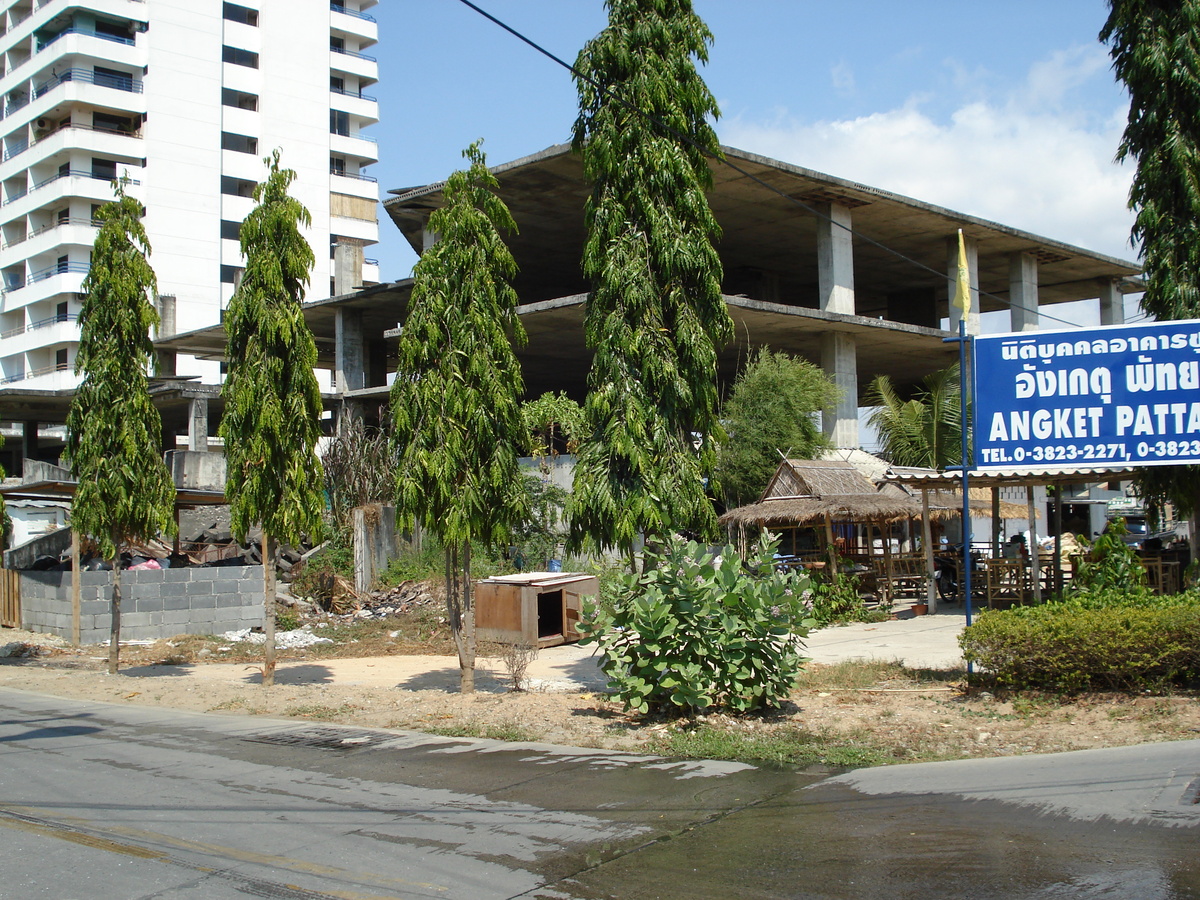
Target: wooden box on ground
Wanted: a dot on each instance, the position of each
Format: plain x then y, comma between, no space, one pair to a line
534,608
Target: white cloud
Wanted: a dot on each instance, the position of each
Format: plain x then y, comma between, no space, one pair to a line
1029,159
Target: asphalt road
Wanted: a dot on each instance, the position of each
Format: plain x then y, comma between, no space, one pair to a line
105,801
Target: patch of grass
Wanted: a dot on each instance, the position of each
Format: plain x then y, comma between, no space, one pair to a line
783,746
863,674
321,713
504,731
231,703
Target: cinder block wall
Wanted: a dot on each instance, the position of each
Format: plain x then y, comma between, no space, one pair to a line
155,603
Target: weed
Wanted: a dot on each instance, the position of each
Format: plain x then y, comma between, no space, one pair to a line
231,703
323,713
505,731
790,745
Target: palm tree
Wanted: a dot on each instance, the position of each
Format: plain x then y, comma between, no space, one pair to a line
925,430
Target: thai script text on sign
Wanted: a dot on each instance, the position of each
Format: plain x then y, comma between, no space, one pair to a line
1120,395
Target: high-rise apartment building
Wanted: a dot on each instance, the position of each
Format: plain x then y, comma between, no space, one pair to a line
185,97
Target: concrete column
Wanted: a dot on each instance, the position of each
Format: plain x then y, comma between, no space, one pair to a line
347,266
350,369
952,278
1023,291
165,364
29,440
1112,304
835,259
839,359
198,424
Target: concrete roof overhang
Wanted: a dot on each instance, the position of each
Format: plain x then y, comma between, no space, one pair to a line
768,223
555,357
172,397
185,498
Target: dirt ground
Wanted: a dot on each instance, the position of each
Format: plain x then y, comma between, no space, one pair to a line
879,712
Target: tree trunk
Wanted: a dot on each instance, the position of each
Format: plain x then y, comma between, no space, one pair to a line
461,612
466,654
114,635
268,562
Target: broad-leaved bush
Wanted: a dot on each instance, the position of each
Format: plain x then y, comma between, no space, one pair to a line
699,629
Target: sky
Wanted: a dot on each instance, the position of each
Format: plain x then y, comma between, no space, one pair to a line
1004,110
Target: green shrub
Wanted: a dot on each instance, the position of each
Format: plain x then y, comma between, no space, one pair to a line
1111,565
1145,644
286,619
698,630
838,602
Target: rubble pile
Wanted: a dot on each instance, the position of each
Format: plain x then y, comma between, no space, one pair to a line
284,640
402,598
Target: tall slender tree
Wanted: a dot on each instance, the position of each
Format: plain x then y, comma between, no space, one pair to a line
272,414
114,433
455,401
655,316
1155,47
924,430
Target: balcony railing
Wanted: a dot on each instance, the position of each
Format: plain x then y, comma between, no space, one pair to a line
35,373
42,45
18,148
355,175
58,223
81,173
345,132
338,8
353,53
62,268
358,94
34,326
89,76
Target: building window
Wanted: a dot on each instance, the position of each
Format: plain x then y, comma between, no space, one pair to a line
236,187
240,57
244,14
231,231
239,143
104,169
112,78
61,311
230,274
337,165
118,30
337,44
239,99
337,84
109,122
339,122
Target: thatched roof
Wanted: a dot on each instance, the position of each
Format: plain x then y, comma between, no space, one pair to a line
806,491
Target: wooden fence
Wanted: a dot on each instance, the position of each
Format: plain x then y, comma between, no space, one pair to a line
10,598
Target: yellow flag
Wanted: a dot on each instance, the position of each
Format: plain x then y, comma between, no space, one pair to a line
962,284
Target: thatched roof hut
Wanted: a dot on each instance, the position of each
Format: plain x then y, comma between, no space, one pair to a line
806,492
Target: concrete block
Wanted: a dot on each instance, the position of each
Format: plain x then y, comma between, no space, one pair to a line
135,620
177,589
174,603
148,576
94,607
149,604
176,617
198,588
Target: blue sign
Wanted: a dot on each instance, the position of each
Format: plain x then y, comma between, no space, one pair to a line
1120,395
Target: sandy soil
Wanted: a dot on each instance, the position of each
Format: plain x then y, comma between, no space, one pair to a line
904,714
